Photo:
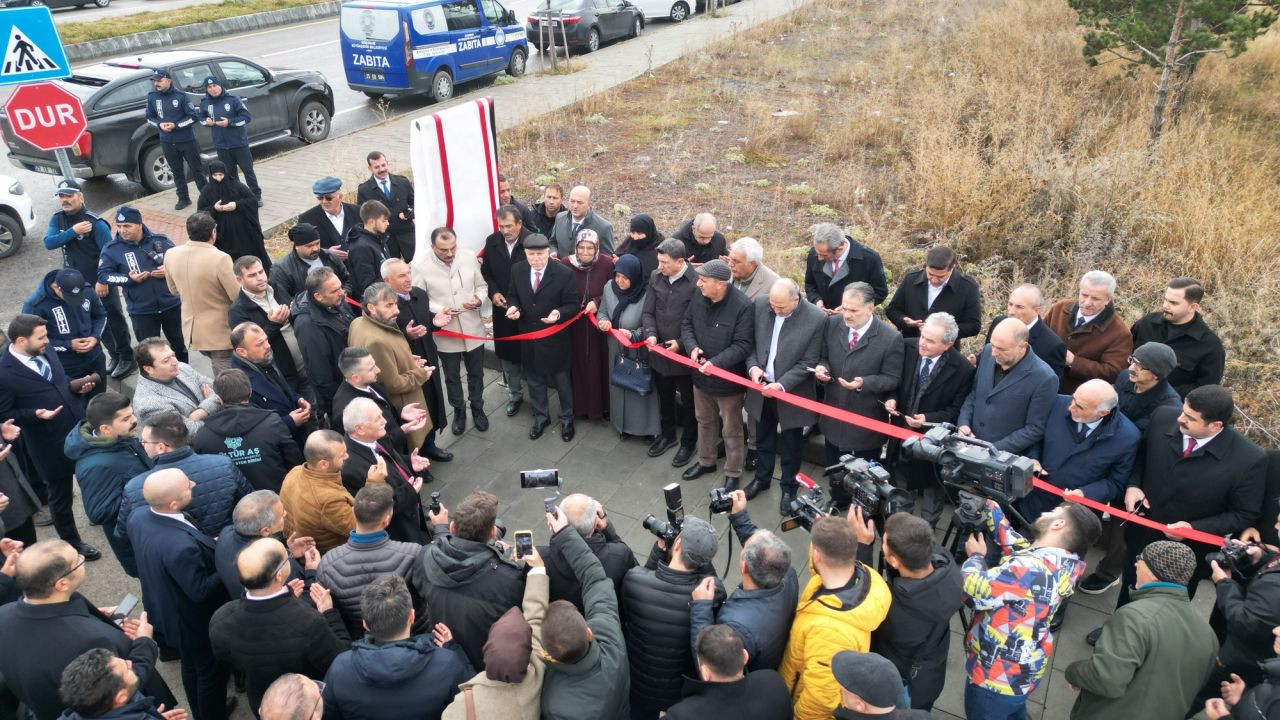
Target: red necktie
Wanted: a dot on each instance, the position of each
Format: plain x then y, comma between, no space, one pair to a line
853,339
383,451
835,267
1191,445
537,279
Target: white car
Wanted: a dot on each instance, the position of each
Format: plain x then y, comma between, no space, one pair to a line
674,10
16,215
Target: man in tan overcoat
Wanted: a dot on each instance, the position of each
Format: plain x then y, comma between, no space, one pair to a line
403,373
202,276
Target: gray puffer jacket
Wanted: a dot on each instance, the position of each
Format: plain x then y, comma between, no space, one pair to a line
346,570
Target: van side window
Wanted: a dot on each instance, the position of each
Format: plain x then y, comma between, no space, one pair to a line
493,12
461,15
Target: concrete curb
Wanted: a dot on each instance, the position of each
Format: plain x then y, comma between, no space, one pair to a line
156,39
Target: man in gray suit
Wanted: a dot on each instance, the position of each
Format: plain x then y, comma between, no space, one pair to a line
864,357
579,217
788,343
1013,392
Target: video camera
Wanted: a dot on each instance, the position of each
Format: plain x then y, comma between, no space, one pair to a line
807,508
536,479
967,463
870,486
667,531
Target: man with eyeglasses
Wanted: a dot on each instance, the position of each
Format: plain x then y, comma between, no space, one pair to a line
54,623
180,586
332,217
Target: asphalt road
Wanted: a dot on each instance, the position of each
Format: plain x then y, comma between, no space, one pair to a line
311,45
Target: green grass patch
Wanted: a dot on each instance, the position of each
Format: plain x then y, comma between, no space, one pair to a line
79,32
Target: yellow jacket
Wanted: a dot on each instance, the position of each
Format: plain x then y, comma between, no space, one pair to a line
826,622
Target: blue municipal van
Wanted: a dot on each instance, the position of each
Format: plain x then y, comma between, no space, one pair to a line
398,47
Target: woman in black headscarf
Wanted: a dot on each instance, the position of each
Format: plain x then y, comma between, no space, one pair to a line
621,306
643,243
235,212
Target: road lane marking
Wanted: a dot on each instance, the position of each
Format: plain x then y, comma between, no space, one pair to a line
304,47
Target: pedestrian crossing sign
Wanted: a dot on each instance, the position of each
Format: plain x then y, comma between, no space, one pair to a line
32,49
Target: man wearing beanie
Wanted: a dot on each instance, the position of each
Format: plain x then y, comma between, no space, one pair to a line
1179,325
655,601
288,275
869,688
718,331
1154,653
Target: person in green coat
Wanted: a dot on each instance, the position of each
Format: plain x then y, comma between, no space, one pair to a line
588,677
1155,653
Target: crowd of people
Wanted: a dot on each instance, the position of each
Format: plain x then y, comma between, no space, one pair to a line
274,513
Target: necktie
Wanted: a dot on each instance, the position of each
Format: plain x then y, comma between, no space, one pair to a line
386,189
574,232
537,279
853,339
1082,432
383,452
835,267
1080,321
43,367
926,367
1191,445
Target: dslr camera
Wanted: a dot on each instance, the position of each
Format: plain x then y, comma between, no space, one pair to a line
1234,558
967,463
721,502
870,486
667,531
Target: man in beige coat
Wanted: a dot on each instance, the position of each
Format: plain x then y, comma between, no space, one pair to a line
504,691
202,276
454,284
403,373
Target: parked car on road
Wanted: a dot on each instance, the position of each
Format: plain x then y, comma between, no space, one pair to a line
283,103
674,10
587,24
16,215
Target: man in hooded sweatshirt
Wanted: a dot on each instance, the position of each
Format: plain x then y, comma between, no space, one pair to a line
390,675
254,438
470,581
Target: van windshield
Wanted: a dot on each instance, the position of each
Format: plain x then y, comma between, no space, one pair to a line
362,24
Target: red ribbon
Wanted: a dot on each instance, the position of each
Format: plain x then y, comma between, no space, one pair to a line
535,335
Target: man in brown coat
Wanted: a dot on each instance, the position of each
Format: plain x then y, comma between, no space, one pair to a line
202,276
1098,341
315,502
403,373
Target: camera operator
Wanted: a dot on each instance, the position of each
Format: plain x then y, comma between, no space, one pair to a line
655,602
587,516
926,586
842,603
760,610
1260,702
1009,641
1248,606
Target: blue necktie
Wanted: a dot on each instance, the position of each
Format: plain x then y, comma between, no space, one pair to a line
43,366
386,189
926,366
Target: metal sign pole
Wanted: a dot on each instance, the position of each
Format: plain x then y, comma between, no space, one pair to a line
64,163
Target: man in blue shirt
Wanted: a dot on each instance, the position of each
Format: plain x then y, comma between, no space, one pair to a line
228,120
171,112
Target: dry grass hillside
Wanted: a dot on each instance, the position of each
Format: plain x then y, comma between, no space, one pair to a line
971,123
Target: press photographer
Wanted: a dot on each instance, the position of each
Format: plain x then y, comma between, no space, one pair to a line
1009,641
587,516
760,609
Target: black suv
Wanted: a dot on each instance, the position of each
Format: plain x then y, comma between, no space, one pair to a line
283,103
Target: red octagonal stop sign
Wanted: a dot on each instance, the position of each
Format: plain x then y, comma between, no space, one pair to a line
45,115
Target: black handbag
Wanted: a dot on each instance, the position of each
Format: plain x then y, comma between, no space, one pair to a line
631,374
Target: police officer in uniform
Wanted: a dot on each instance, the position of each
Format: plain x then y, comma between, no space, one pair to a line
170,111
82,235
75,320
228,118
135,261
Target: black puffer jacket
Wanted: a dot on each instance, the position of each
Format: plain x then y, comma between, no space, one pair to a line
655,602
1261,702
725,331
469,586
914,636
253,438
1251,610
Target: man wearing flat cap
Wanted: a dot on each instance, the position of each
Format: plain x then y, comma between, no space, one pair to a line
1154,653
718,331
543,294
170,111
331,217
289,274
870,687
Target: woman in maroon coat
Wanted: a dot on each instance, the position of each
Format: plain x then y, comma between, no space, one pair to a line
590,353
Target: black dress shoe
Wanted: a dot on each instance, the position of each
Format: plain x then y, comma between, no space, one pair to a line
182,204
435,454
1092,637
513,406
124,369
89,552
683,455
42,518
427,477
660,445
754,488
750,462
784,504
111,366
536,431
697,470
730,484
459,423
566,432
482,420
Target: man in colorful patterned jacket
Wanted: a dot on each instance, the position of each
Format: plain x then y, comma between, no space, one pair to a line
1009,642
